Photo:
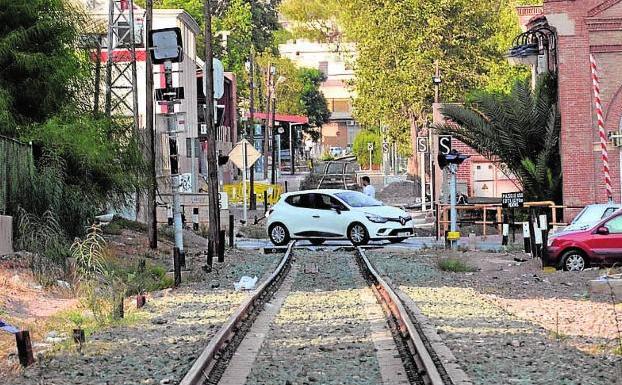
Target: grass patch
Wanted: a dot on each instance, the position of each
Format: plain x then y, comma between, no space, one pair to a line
455,265
118,224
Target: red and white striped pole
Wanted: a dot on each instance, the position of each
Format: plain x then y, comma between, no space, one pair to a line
601,127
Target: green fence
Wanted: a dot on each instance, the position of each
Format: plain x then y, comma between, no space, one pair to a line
16,170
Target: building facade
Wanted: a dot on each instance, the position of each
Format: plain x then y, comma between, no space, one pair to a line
333,62
584,28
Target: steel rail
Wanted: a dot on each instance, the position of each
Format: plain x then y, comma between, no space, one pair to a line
200,370
427,368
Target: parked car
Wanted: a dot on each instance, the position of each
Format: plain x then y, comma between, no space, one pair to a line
598,245
591,215
318,215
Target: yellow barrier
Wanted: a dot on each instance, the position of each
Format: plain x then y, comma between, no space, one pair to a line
236,194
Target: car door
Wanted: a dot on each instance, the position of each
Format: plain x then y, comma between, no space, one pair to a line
300,215
608,247
329,222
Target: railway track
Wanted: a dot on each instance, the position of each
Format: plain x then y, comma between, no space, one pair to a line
404,353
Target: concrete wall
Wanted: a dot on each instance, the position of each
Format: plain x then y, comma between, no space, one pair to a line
6,234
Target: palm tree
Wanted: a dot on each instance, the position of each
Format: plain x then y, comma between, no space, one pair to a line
520,131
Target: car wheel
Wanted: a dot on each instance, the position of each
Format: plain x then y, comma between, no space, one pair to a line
317,242
357,234
279,235
396,240
574,260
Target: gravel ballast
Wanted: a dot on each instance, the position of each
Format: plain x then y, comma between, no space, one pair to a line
322,333
175,327
503,322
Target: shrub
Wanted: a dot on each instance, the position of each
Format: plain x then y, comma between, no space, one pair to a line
455,265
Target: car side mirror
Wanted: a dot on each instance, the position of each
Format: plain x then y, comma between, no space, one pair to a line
336,208
602,230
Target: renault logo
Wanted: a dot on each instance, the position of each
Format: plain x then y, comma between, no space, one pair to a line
402,221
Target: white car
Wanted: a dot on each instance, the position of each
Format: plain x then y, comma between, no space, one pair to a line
318,215
591,215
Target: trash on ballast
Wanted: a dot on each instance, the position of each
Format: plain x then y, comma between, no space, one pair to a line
246,283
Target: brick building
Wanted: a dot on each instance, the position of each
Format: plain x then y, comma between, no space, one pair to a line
585,27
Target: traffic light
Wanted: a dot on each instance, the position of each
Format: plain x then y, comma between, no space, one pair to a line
454,157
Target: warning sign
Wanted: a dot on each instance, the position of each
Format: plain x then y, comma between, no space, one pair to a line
512,200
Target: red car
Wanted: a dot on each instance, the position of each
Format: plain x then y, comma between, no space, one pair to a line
598,245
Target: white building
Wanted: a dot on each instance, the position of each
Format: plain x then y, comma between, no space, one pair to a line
333,61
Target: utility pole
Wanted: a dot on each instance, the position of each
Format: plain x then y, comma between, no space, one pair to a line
268,129
274,149
212,164
152,225
251,133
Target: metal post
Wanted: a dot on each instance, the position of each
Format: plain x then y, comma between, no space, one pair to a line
291,151
175,179
212,163
370,153
422,178
231,230
152,221
453,170
245,164
273,163
176,267
268,128
251,134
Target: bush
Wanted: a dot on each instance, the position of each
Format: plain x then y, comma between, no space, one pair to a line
118,224
455,265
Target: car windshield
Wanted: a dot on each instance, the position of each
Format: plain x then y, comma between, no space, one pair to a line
591,214
357,199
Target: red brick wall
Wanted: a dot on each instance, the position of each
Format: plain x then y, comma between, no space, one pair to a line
582,166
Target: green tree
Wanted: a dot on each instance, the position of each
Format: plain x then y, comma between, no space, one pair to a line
313,100
519,130
398,43
40,71
84,163
299,93
317,20
361,150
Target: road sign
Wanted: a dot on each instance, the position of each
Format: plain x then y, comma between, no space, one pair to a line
370,146
219,79
237,154
512,200
423,145
166,45
444,144
385,147
169,94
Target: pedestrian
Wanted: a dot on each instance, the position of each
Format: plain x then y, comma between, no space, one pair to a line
368,189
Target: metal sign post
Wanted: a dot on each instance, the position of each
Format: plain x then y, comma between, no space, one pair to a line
167,49
244,170
370,147
422,148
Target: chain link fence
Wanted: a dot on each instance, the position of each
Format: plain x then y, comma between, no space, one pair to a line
16,171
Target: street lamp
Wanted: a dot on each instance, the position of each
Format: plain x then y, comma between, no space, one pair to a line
529,46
